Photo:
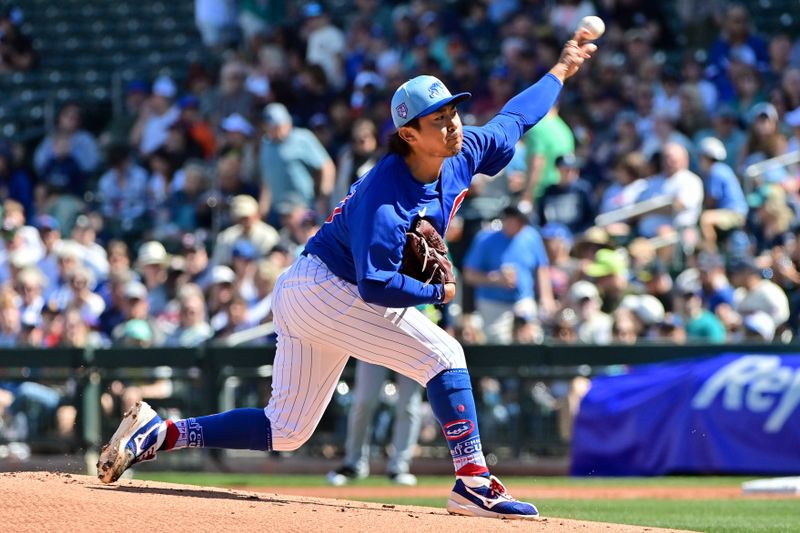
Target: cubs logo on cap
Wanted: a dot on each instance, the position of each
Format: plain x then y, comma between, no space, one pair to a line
436,89
421,96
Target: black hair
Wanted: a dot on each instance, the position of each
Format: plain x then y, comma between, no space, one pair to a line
397,145
118,154
72,102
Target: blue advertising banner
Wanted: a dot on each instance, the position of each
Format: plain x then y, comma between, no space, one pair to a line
735,414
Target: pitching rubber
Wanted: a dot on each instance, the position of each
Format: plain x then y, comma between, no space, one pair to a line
114,457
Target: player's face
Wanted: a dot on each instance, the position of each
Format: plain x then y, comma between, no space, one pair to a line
440,132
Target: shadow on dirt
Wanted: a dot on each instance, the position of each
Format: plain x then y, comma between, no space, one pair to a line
192,493
220,494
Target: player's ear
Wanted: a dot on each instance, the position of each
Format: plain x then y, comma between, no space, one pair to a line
409,135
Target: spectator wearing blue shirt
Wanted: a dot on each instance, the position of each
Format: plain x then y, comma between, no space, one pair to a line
716,288
15,182
79,143
725,203
508,267
725,127
122,194
736,45
183,204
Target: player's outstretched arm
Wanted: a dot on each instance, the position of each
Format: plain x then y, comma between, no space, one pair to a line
529,106
490,147
525,109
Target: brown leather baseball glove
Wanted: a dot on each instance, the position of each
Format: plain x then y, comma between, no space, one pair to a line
425,254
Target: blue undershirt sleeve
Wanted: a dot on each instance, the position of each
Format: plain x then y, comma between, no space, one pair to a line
399,291
528,107
489,148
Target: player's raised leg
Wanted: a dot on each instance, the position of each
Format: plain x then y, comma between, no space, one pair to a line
142,433
305,374
304,379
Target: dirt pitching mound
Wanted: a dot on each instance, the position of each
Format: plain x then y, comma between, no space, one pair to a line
39,501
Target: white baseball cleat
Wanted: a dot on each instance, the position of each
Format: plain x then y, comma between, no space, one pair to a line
343,476
405,479
487,497
136,440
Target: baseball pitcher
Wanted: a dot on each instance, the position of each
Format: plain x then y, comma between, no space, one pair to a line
352,293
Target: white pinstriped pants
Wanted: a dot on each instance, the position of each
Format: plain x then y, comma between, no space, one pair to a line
321,321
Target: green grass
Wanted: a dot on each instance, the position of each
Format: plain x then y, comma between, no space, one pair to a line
714,516
724,516
304,480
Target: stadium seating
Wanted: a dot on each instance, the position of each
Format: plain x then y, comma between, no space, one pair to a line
88,49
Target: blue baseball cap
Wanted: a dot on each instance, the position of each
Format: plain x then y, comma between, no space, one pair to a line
314,9
245,249
189,101
47,222
421,96
557,230
137,86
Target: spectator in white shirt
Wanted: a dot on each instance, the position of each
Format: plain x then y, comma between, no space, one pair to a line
17,240
754,293
216,20
152,262
248,226
157,115
123,192
30,283
677,182
85,233
69,256
90,304
594,326
326,43
14,217
50,234
193,328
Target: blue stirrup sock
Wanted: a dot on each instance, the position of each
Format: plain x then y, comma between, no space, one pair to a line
239,429
450,396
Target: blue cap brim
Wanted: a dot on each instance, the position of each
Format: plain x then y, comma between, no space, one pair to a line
455,100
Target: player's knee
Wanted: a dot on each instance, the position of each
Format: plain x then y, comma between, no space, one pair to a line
455,354
288,445
289,442
286,439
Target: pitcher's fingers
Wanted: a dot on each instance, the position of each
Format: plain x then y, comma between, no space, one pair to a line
588,49
582,36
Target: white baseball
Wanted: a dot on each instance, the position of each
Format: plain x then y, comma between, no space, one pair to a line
594,26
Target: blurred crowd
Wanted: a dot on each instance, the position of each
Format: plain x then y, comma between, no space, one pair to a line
638,209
